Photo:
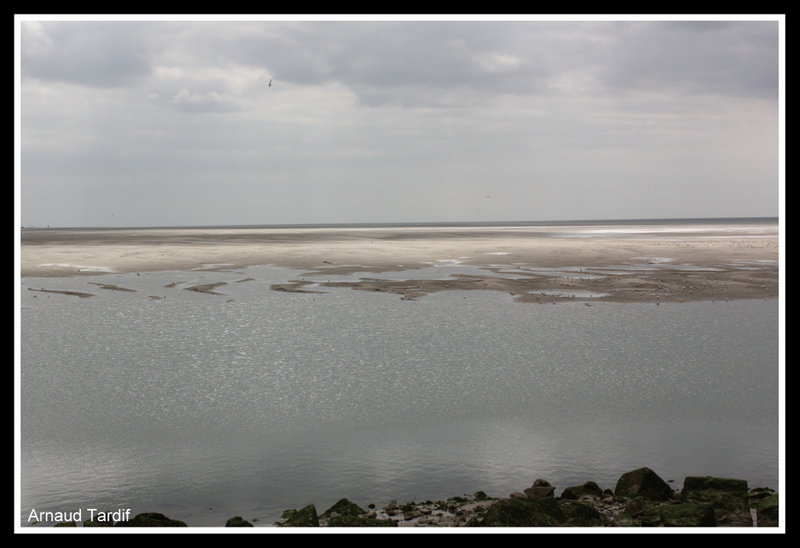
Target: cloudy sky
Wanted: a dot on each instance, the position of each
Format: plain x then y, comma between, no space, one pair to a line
154,123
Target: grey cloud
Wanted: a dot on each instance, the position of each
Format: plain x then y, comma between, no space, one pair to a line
415,63
395,62
411,63
100,55
705,57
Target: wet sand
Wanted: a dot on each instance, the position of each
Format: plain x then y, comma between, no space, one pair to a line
661,263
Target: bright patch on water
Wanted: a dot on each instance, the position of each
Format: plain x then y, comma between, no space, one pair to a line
81,268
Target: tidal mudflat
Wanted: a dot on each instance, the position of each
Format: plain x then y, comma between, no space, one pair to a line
668,261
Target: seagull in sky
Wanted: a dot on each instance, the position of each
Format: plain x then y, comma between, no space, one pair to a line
270,83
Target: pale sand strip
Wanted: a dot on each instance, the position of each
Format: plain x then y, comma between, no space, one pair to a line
745,262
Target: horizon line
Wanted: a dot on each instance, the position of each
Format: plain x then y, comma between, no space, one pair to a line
339,224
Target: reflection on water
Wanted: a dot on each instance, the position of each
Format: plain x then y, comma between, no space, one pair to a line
246,403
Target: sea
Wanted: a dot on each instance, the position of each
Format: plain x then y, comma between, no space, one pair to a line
152,398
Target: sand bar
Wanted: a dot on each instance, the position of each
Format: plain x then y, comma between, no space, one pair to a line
626,262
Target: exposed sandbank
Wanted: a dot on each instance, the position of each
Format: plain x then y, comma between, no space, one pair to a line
631,263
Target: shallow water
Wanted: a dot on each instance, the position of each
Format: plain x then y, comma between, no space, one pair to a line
253,401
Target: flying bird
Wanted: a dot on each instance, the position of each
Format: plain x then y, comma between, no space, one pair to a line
270,83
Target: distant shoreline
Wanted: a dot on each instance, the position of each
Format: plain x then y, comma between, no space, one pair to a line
334,225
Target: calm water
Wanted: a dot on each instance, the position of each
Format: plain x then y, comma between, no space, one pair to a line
208,406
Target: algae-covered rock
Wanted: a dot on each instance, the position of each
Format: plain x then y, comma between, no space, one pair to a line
767,511
578,514
588,489
151,519
697,485
350,520
755,494
305,517
238,521
643,483
343,507
515,512
687,514
727,497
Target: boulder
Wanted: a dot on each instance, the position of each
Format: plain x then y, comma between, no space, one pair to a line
305,517
697,485
643,483
767,511
578,514
589,489
540,489
543,512
151,519
686,514
343,507
756,494
238,521
727,497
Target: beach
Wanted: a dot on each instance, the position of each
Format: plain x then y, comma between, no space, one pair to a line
627,262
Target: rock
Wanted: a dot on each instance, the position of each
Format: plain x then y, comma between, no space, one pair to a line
540,489
756,494
351,520
238,521
767,511
687,514
540,492
544,512
635,506
589,489
151,519
518,495
578,514
694,485
645,483
727,497
66,524
343,507
305,517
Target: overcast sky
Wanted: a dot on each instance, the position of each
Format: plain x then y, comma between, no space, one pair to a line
153,123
